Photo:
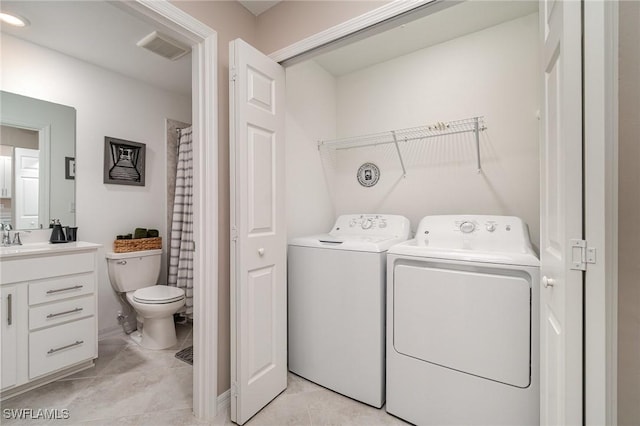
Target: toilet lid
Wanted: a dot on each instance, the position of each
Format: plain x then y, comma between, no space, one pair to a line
157,294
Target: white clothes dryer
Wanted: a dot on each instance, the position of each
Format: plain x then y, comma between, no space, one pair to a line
336,304
462,323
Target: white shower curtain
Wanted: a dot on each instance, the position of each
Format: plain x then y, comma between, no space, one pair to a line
182,245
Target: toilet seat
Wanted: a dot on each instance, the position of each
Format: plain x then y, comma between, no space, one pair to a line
158,294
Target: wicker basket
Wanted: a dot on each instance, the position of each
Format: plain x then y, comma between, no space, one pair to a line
137,244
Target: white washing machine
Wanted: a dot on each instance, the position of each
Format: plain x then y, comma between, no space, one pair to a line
336,301
462,323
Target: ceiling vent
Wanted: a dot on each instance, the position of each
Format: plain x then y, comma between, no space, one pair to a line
164,46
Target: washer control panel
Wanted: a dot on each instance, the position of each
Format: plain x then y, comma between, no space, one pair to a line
365,224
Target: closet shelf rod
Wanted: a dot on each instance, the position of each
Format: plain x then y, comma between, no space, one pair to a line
402,139
470,125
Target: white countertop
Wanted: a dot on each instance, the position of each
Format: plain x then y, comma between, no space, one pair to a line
44,249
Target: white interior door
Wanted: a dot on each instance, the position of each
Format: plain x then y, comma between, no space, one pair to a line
258,247
561,343
27,187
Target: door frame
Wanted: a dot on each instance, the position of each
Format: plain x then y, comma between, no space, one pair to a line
600,58
601,183
204,97
44,145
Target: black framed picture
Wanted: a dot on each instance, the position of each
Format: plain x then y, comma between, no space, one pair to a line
69,167
124,162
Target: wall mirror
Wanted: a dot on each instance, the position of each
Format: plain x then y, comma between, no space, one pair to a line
37,162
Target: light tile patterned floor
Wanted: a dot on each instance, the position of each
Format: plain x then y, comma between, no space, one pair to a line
133,386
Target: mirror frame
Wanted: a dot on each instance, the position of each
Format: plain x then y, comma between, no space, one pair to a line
56,126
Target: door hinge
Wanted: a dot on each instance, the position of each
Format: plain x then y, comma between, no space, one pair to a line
234,234
581,255
232,74
234,390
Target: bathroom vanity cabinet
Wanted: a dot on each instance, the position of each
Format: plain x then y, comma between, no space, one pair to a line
48,313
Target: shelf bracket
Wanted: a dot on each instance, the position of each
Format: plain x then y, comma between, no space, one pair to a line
477,131
395,141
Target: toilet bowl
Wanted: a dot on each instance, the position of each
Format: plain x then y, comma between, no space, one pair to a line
135,274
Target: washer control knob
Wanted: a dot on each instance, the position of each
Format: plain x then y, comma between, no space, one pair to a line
366,223
382,224
352,223
491,227
467,227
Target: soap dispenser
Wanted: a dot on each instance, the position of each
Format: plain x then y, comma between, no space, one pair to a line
57,234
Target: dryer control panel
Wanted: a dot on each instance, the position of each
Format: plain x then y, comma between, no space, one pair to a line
474,232
371,224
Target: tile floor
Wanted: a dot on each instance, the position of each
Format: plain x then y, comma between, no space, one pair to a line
130,385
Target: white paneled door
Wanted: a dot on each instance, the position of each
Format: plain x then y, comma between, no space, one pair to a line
258,246
561,343
27,188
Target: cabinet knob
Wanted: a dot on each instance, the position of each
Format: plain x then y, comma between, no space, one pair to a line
261,251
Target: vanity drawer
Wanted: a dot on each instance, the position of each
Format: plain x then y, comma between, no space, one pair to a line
42,267
59,312
61,288
61,346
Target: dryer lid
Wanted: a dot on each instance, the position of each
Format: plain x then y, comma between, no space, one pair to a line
158,294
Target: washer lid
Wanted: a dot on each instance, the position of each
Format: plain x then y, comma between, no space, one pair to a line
366,243
360,232
158,294
472,238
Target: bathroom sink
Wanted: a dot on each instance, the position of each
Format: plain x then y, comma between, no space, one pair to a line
42,248
26,248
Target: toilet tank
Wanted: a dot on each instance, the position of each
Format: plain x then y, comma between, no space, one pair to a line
133,270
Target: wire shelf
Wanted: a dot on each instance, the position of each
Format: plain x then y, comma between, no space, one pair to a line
468,125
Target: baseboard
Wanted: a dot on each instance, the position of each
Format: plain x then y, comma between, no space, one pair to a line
224,400
49,378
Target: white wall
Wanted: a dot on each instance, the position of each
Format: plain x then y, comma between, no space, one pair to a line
107,104
628,213
311,115
491,73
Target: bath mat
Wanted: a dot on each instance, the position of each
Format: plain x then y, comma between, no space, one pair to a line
186,355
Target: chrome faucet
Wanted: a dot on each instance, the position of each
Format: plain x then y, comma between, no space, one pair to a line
5,227
6,236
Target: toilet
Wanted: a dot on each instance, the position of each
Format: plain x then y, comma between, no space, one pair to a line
136,274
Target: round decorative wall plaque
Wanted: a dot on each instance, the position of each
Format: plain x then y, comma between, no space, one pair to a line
368,174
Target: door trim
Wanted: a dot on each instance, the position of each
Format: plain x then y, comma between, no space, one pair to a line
204,88
349,28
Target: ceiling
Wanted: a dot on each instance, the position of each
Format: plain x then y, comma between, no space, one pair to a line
464,18
104,35
258,7
101,34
